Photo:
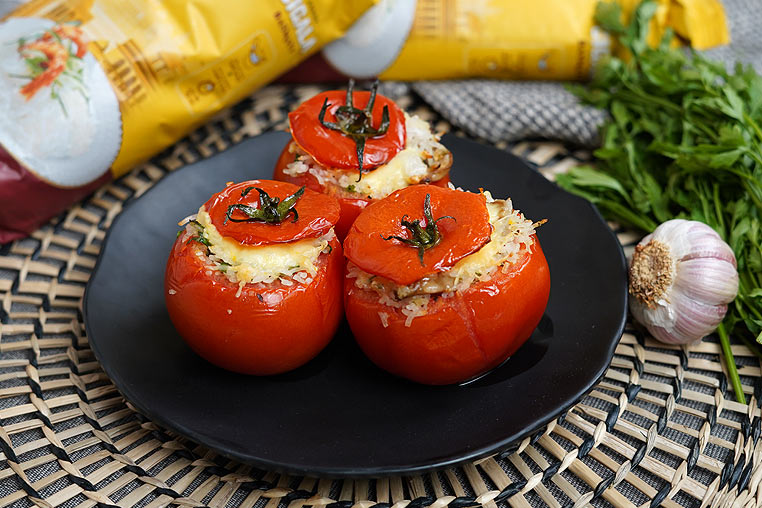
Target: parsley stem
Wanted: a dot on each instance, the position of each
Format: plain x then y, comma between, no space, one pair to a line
638,95
745,281
753,125
718,210
730,363
751,191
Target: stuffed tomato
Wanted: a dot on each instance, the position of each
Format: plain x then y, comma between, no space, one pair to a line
359,147
248,269
443,285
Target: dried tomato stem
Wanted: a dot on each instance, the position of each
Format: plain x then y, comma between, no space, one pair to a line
271,210
355,123
421,237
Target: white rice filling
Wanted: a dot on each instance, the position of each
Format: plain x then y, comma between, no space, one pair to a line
289,263
423,159
512,235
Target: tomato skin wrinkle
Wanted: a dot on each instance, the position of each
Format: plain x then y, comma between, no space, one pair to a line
258,329
467,233
318,213
333,149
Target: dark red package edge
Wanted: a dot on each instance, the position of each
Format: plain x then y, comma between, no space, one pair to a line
27,202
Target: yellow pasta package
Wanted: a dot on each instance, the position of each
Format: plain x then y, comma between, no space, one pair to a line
502,39
92,87
541,39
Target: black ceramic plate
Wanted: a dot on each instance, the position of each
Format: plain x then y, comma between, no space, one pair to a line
339,414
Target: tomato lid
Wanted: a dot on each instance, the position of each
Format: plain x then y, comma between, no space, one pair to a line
317,213
334,149
467,232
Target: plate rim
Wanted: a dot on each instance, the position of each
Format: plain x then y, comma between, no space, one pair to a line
504,445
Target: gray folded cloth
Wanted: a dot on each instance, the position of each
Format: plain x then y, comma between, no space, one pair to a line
512,110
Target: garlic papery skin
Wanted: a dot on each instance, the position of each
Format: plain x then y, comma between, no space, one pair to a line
682,276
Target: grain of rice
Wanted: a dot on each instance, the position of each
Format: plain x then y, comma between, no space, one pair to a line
187,220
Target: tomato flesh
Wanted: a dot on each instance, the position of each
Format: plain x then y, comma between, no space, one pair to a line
264,329
459,337
333,149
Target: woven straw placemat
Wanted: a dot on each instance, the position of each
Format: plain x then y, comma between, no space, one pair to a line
661,427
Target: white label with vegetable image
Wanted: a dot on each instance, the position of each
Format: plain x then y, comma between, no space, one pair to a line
63,124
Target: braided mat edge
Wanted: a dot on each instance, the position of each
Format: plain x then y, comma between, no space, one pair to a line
660,428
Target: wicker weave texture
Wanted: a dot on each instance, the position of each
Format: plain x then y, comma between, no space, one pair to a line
661,427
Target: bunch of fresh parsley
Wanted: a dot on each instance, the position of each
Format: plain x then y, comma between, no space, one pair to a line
684,141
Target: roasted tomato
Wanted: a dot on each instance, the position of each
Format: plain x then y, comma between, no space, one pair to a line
350,206
451,310
332,129
334,148
235,281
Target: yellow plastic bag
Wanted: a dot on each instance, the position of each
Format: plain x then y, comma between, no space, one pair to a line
172,64
502,39
541,39
92,87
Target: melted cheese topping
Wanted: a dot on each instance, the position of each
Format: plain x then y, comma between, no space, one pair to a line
512,235
423,158
404,169
263,263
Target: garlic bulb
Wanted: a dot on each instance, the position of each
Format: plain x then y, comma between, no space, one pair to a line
682,276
